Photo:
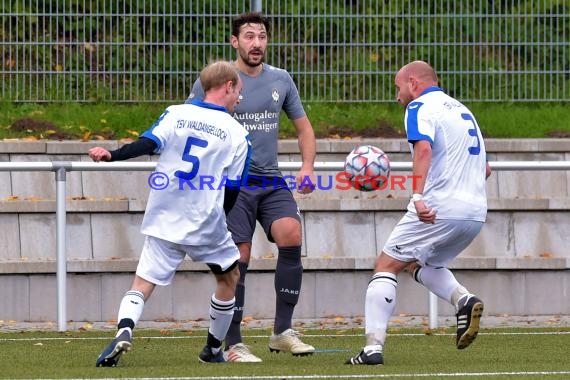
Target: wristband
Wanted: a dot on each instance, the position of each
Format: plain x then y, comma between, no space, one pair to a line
417,197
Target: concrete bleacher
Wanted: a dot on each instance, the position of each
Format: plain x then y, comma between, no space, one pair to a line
519,264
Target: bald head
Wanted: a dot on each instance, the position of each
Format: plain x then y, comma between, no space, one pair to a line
412,79
421,70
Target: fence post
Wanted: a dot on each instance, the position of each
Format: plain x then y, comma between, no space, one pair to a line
433,312
256,6
60,178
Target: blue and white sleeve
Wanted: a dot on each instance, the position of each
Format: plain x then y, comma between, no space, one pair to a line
418,127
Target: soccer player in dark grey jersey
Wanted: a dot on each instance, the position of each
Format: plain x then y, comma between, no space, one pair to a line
266,92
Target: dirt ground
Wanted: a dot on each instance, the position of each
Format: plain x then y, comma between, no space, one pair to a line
399,321
382,130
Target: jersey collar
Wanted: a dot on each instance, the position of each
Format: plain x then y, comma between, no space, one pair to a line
430,89
203,104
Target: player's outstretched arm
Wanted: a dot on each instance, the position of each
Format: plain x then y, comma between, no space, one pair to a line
99,154
137,148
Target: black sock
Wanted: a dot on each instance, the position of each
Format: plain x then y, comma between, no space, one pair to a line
234,333
126,322
212,341
288,278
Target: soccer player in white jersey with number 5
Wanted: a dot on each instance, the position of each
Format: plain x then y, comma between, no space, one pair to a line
195,141
446,212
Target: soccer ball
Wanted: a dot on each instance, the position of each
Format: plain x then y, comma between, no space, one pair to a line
367,168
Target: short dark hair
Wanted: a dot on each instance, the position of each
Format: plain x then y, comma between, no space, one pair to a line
249,18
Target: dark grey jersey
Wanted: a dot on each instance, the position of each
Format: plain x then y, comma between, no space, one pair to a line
262,99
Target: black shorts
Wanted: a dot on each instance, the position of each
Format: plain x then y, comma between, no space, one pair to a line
265,203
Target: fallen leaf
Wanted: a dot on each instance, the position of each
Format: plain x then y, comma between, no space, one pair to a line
86,136
33,199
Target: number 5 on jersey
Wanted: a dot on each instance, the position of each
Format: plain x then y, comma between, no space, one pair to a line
195,161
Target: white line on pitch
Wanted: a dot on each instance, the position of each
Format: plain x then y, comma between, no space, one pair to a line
395,335
374,376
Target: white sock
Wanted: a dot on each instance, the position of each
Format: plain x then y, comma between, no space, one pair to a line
379,306
132,306
221,314
440,281
120,331
458,294
373,348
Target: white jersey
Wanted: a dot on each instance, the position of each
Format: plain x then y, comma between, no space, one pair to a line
201,148
455,186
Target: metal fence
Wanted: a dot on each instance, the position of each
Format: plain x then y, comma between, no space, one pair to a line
336,50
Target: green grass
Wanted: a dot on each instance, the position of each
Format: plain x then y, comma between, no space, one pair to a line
497,354
63,121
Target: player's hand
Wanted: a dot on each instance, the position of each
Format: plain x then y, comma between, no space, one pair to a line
306,181
99,154
425,214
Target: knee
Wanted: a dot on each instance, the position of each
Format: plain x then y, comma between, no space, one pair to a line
287,232
244,252
296,236
385,263
231,278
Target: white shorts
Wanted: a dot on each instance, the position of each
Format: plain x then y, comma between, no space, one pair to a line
430,244
160,258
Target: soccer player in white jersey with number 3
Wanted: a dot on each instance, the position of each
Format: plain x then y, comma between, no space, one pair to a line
446,212
195,141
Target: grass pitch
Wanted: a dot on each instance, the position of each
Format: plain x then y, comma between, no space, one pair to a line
521,353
